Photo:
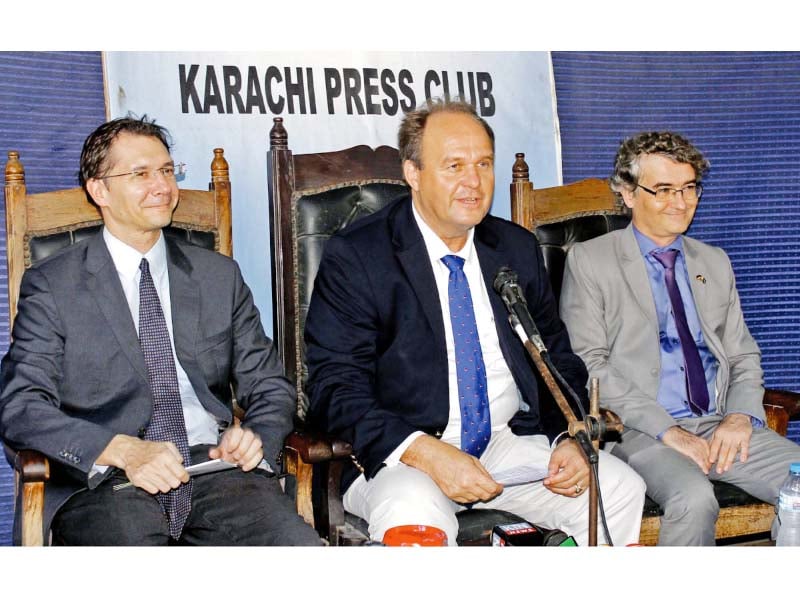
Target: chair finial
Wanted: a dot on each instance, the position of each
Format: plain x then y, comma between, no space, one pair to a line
15,172
278,138
219,166
520,171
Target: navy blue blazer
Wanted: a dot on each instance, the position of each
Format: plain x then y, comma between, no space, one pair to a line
375,337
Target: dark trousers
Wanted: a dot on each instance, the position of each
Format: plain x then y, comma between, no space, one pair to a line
229,508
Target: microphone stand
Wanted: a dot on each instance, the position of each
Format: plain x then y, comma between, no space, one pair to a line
588,432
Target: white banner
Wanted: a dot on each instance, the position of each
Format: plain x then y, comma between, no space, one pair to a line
329,101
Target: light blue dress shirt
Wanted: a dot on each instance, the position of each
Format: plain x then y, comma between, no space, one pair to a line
672,393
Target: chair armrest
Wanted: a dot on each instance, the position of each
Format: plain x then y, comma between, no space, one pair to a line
303,452
790,401
777,418
32,470
32,466
314,448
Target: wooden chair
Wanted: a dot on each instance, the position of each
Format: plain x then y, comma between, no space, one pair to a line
38,225
560,217
312,196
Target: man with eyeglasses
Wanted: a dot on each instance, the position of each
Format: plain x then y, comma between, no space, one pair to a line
655,315
126,347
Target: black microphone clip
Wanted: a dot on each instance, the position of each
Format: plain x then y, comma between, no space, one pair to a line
505,284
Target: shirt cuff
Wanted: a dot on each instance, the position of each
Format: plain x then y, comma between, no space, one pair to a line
754,421
561,436
98,470
394,458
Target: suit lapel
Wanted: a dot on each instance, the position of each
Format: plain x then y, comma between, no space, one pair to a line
103,283
413,257
491,258
698,268
184,295
633,269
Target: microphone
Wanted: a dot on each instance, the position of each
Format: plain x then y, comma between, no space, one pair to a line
505,284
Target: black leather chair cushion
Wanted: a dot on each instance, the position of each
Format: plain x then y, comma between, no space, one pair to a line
475,527
557,238
44,245
317,217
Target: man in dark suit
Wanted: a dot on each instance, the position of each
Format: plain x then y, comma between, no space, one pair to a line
125,349
412,360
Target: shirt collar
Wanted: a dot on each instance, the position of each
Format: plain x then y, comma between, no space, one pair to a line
434,244
648,246
127,259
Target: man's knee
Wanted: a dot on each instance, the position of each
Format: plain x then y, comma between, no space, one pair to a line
410,509
406,496
696,503
632,485
621,479
87,524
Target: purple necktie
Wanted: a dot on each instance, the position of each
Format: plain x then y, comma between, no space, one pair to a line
695,375
476,425
167,423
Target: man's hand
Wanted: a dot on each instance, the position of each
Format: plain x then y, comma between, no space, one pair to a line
459,475
239,445
689,445
153,466
730,436
568,470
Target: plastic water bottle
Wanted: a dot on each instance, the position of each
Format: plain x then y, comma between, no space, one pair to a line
789,509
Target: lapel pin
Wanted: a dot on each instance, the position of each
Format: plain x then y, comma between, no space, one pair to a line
700,278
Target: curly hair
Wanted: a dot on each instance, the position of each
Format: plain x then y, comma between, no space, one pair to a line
94,155
666,143
409,136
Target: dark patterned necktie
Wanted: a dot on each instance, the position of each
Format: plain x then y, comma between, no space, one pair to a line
476,425
167,423
695,375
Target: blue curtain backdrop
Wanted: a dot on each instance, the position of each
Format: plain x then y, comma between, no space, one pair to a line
49,101
742,110
739,108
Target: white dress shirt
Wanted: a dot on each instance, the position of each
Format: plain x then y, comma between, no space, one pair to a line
504,397
201,426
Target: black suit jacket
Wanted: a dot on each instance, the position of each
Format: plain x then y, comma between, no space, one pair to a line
375,338
75,376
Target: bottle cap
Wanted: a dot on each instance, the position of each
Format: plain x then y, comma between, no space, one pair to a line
794,468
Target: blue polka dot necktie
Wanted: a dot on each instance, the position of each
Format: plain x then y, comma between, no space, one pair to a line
697,389
167,423
476,425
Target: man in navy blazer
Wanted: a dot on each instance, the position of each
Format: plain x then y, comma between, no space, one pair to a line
75,383
381,356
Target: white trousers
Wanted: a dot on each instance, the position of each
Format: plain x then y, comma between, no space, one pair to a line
403,495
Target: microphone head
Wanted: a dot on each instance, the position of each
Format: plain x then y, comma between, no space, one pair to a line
503,278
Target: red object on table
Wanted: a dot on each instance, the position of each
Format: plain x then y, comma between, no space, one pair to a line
414,535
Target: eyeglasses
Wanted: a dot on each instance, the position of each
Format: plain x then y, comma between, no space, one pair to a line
690,192
142,176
